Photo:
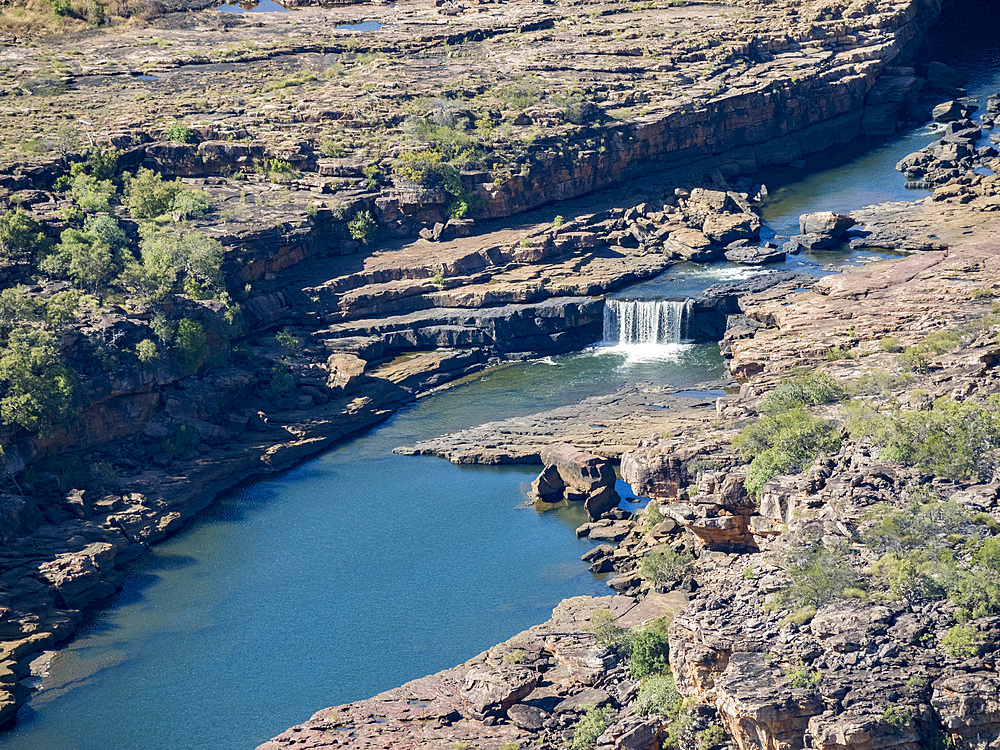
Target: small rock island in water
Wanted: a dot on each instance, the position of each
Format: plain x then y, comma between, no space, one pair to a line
738,262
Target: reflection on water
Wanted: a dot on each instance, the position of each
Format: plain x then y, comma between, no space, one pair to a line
253,6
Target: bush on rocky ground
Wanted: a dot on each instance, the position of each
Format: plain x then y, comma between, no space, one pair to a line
954,439
665,566
809,389
784,443
593,724
818,573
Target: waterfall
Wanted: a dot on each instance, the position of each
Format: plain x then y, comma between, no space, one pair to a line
645,322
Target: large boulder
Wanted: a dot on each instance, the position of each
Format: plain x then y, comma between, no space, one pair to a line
826,223
724,229
493,691
346,370
574,474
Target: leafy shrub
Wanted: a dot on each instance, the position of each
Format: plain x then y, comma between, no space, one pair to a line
331,148
179,133
591,726
168,259
191,344
373,176
783,444
818,573
838,352
962,642
918,357
711,737
92,194
278,170
608,633
288,341
517,96
650,649
889,344
21,237
282,380
897,717
658,696
953,439
88,257
665,566
36,388
801,677
362,227
184,439
146,350
150,196
803,390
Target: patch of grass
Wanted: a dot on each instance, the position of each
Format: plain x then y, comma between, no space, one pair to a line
295,79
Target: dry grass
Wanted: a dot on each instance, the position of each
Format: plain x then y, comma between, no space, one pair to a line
33,18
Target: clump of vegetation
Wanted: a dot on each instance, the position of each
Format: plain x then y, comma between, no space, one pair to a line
650,649
149,196
935,550
591,726
179,133
184,440
711,737
801,677
277,170
362,227
658,696
783,444
37,388
608,633
838,352
918,356
890,344
21,237
665,566
962,642
897,717
954,439
810,389
818,573
191,344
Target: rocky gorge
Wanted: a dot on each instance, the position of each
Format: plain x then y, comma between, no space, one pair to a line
346,292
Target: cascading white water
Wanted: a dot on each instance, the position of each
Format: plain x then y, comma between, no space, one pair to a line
645,322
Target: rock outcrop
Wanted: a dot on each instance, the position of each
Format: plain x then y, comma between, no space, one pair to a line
575,475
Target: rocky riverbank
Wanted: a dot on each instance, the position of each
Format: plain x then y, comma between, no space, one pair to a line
370,316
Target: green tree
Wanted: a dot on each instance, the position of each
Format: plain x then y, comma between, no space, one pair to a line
593,724
149,195
16,307
783,444
21,237
37,388
818,573
191,344
650,650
